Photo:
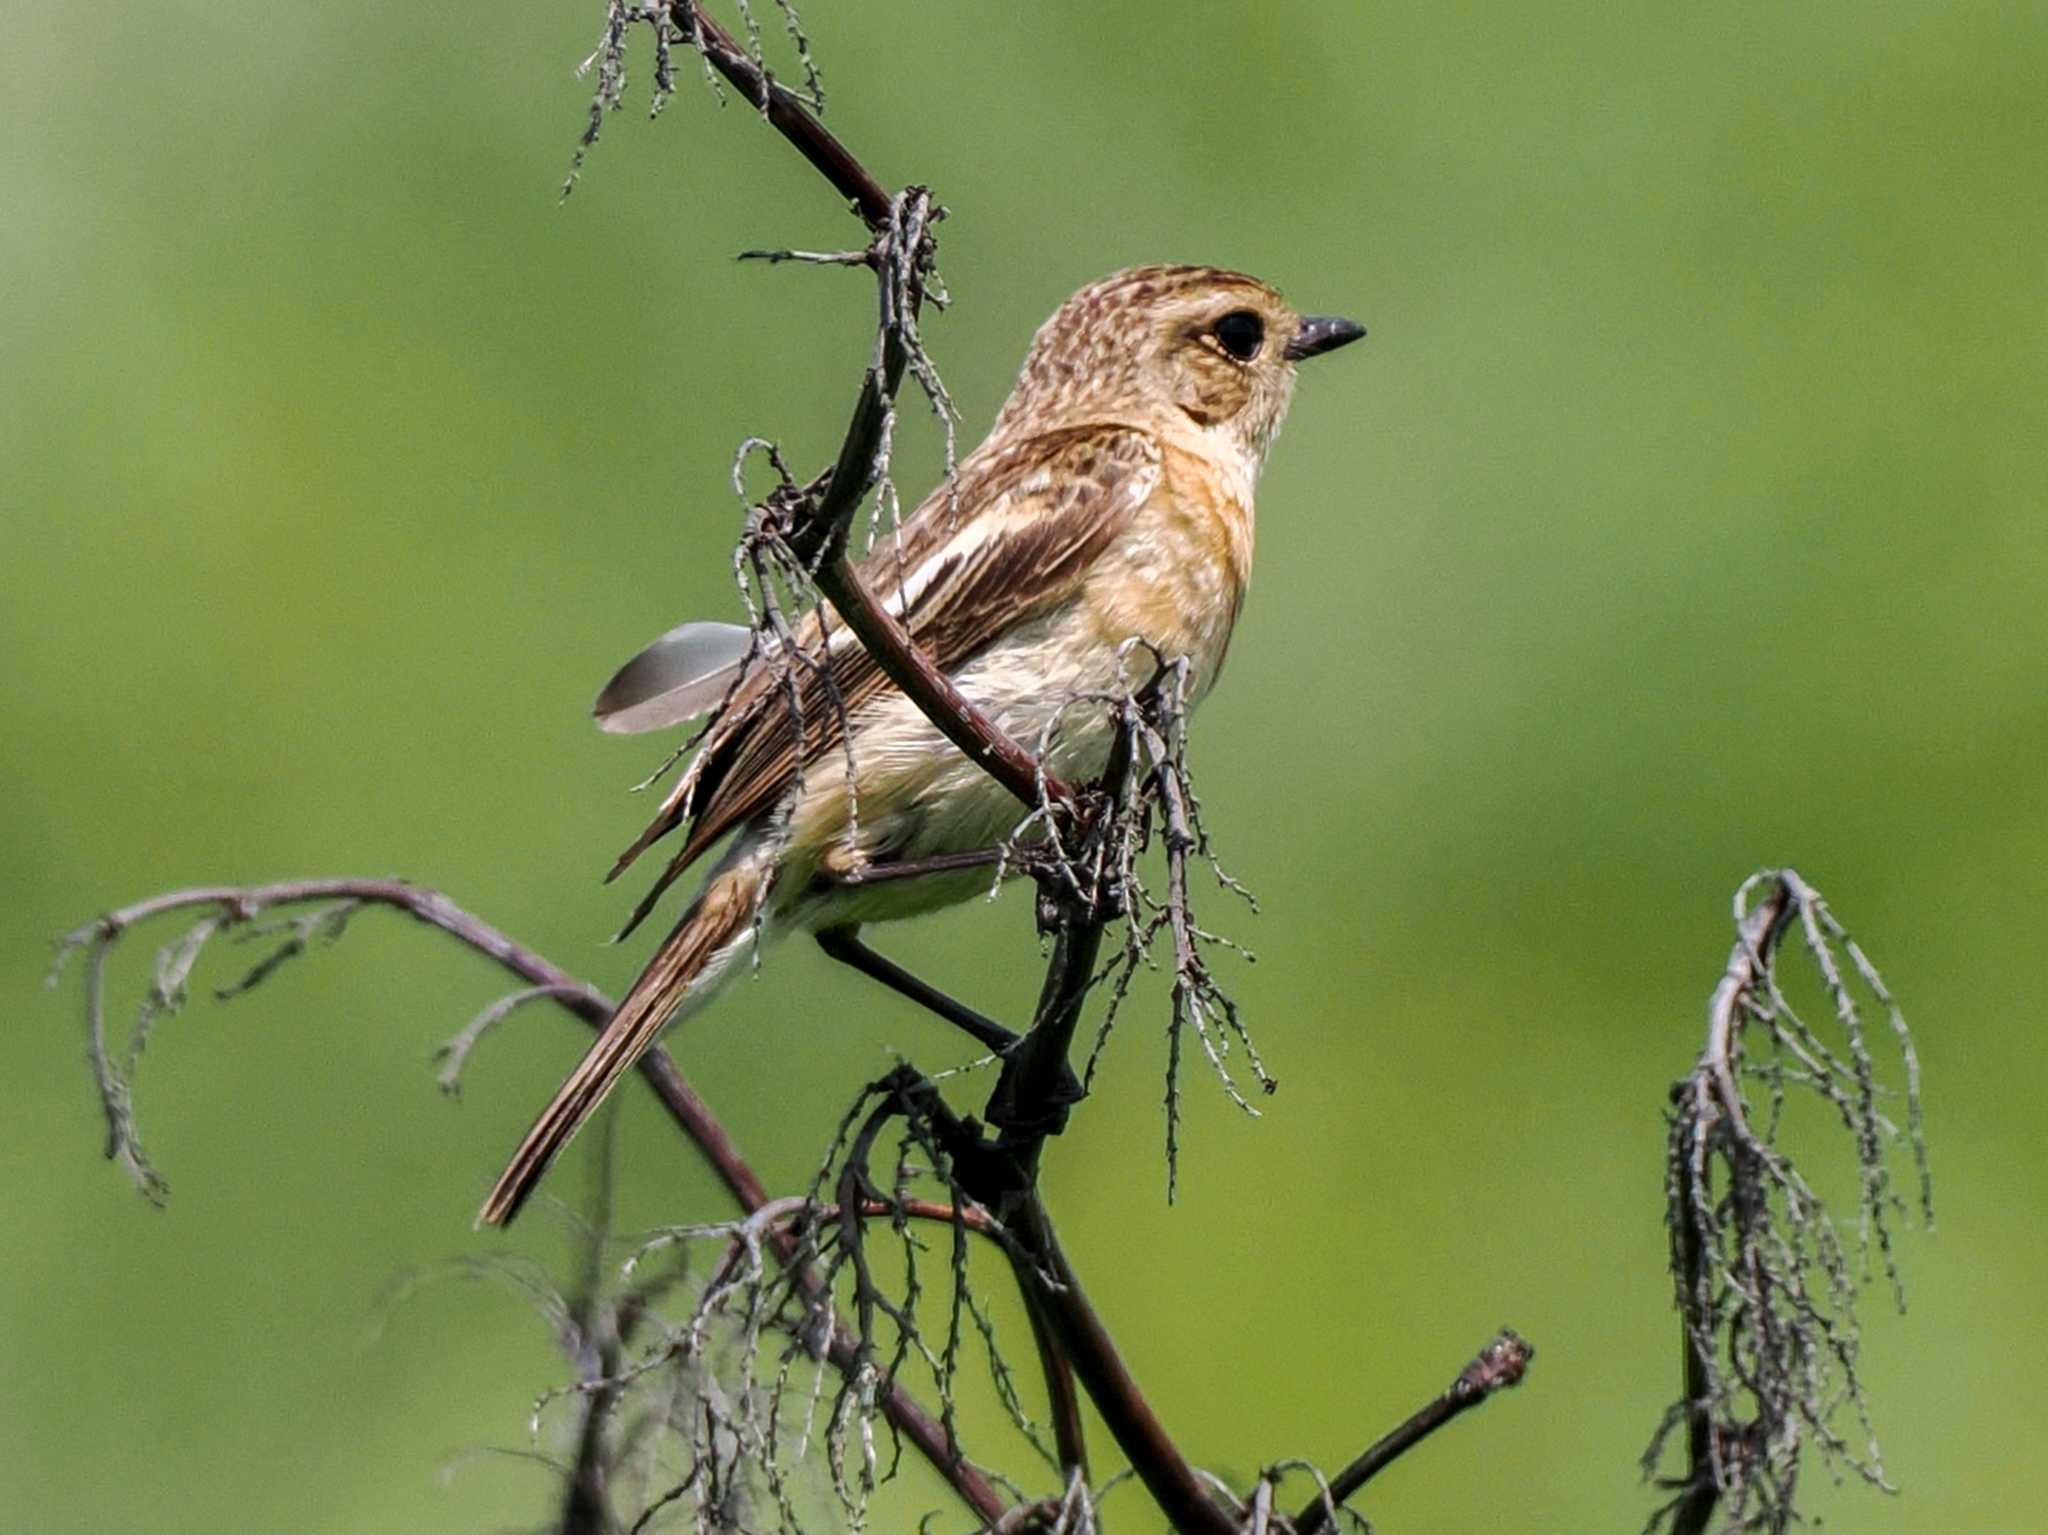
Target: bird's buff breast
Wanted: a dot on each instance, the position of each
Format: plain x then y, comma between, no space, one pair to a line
1171,582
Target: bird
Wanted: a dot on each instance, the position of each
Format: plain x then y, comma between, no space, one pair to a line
1110,503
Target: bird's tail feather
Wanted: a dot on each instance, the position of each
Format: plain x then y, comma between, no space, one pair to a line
682,975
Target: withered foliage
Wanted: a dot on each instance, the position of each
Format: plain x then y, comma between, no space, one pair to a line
1766,1282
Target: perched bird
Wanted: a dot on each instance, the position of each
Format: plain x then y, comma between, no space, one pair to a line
1111,500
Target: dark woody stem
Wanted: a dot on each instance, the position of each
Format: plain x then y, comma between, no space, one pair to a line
1029,1100
1501,1364
789,116
1063,1391
1053,1287
1029,1104
843,944
963,723
827,525
1032,1099
978,737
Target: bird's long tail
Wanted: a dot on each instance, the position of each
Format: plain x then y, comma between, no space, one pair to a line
715,931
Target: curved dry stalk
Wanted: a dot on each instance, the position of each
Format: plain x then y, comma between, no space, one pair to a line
1766,1287
227,909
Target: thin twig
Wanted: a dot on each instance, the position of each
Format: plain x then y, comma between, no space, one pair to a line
786,113
1501,1364
454,1055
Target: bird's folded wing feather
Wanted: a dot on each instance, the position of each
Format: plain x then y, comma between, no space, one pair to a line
1013,535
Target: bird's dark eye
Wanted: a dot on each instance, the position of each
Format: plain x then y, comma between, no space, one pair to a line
1240,333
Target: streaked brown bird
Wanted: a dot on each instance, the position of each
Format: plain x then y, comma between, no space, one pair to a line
1111,501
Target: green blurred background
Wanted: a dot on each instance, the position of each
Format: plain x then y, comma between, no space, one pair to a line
1683,513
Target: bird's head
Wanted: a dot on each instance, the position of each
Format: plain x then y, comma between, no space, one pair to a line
1178,351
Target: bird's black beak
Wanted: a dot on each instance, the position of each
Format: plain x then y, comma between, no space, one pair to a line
1322,333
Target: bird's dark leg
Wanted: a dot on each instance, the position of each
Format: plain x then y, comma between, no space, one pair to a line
844,945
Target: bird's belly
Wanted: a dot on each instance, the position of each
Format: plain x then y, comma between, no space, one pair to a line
914,795
908,793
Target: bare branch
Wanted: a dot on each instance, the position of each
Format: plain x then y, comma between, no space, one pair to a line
902,257
1502,1363
1029,1103
785,111
1069,1433
231,907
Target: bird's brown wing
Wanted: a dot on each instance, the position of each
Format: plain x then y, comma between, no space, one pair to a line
1013,535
